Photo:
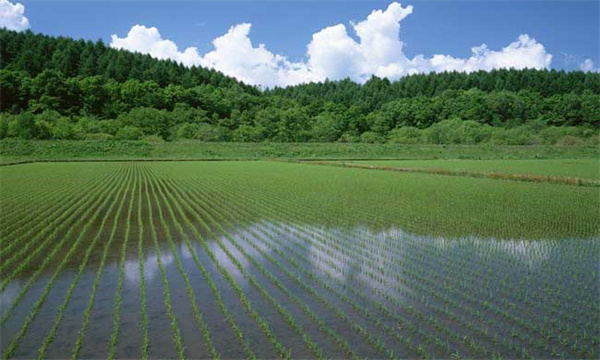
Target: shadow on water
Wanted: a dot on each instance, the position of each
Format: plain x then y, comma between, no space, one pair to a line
509,297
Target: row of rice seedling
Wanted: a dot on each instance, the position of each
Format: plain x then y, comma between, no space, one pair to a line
194,302
122,192
143,311
252,242
346,289
14,342
168,304
229,317
215,291
424,204
261,322
313,277
23,187
305,308
20,244
115,224
119,295
286,316
433,340
23,211
370,339
100,194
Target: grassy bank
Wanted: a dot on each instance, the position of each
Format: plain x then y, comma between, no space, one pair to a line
21,150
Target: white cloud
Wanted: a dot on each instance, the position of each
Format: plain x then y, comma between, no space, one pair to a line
12,16
147,40
235,55
588,66
333,53
521,54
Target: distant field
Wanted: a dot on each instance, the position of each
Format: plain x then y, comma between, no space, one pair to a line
580,168
256,259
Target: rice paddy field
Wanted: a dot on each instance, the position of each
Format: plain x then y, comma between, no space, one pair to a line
258,259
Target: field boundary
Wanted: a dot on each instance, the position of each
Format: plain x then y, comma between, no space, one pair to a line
281,159
562,180
83,160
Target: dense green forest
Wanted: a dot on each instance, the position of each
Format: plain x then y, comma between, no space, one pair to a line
60,88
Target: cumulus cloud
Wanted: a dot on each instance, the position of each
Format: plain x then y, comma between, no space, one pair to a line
521,54
588,66
235,55
147,40
334,54
12,16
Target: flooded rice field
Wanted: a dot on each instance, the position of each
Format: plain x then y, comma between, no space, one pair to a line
133,261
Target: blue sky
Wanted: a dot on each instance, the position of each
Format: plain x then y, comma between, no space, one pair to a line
568,30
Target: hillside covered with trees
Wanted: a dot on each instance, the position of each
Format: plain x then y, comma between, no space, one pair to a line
60,88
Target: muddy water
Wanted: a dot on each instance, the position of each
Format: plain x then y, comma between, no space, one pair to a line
382,292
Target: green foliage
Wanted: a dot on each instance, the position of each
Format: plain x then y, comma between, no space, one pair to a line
101,90
406,135
371,137
150,121
456,131
248,133
187,131
23,126
63,130
129,133
213,133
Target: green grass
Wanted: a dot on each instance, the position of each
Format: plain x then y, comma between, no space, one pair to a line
22,151
579,168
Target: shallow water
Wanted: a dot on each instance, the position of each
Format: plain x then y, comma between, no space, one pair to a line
383,293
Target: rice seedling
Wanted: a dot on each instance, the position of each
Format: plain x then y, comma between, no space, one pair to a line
291,260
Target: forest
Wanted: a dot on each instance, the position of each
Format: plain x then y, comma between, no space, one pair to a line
61,88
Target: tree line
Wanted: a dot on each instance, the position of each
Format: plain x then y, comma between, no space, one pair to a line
60,88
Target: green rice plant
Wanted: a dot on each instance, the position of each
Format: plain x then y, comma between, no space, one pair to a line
314,241
14,343
194,302
82,266
51,256
238,207
283,352
174,326
55,226
278,284
322,325
143,311
118,298
230,320
312,276
90,306
311,345
14,221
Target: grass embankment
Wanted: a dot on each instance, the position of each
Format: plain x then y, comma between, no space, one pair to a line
579,168
582,172
12,151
